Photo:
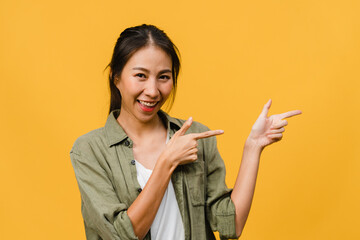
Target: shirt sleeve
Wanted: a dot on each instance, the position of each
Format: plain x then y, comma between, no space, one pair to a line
220,209
103,213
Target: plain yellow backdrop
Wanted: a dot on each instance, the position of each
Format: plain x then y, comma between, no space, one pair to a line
235,56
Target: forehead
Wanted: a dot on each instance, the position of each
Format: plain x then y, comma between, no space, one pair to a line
150,57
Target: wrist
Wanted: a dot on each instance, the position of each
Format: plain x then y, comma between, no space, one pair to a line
252,144
163,161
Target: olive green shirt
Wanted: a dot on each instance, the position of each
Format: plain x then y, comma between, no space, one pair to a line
105,170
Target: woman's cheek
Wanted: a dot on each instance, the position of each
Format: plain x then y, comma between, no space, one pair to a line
169,86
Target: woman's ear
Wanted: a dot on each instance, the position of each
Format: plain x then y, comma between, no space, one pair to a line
116,80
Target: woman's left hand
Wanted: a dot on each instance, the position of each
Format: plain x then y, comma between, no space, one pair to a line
267,130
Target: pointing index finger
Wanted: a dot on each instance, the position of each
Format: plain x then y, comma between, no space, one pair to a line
207,134
290,114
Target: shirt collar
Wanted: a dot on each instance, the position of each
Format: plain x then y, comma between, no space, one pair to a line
115,133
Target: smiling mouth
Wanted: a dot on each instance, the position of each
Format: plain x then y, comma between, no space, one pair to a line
147,106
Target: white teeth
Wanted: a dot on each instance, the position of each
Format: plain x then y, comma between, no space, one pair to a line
148,104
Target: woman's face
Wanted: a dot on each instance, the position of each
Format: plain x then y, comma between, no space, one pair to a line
145,83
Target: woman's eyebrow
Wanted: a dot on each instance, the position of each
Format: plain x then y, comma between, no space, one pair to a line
141,68
165,71
146,70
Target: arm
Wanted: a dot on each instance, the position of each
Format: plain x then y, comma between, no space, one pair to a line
220,210
265,131
244,187
102,211
143,210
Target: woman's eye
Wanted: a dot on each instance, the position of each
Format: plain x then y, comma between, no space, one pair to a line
166,77
141,75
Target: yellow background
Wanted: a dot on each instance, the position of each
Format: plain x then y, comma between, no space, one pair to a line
235,56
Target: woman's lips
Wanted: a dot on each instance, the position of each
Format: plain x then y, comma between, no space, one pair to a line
145,107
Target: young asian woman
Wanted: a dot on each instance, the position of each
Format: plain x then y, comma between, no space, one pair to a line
147,175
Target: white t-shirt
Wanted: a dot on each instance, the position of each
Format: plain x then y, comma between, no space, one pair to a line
167,223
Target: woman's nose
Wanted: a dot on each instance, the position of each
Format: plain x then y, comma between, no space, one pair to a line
151,88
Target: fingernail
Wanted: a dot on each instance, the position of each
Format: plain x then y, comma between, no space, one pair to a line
190,118
221,131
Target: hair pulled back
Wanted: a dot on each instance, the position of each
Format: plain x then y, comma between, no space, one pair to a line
131,40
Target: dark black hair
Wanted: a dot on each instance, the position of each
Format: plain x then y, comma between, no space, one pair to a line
131,40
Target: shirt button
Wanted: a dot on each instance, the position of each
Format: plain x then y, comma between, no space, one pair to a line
133,162
139,190
127,143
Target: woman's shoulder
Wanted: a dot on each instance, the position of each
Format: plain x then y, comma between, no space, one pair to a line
89,140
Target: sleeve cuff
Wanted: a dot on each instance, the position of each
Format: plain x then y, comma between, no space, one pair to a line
226,220
124,226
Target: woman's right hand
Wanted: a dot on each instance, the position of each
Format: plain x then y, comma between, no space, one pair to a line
181,148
